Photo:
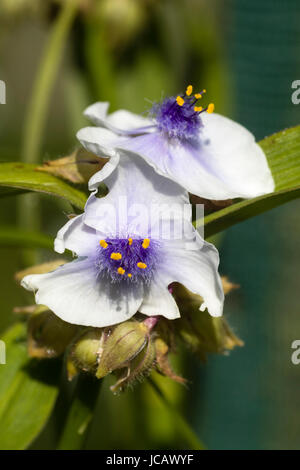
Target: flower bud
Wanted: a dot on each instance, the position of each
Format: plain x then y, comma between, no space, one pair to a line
123,19
201,332
126,349
137,369
122,346
78,167
48,335
85,352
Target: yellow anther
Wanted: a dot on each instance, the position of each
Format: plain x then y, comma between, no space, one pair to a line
116,256
180,101
121,270
197,109
203,91
189,90
103,244
146,243
129,275
130,241
198,96
141,265
210,108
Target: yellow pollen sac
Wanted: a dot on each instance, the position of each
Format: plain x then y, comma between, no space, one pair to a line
141,265
103,244
198,96
203,91
197,109
130,241
180,101
121,270
146,243
116,256
189,90
210,108
129,275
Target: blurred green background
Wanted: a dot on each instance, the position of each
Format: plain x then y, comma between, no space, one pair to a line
131,53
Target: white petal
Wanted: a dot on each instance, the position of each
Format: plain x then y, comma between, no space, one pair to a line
235,157
158,300
197,270
120,122
104,143
181,162
216,168
98,140
126,121
227,163
74,294
139,199
77,237
97,113
185,164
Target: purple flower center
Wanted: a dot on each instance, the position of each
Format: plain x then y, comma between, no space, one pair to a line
179,117
127,259
181,122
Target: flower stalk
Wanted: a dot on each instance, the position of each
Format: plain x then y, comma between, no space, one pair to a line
80,414
36,115
184,428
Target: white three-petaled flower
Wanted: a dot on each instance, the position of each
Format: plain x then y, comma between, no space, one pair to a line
207,154
128,256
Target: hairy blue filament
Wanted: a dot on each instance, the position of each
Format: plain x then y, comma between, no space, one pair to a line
126,259
181,122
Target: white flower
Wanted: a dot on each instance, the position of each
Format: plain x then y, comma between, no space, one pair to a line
127,259
207,154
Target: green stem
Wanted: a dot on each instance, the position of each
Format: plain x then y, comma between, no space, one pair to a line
183,427
45,78
80,413
37,109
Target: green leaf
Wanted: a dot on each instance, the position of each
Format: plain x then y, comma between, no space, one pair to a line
283,154
25,176
15,237
182,426
5,192
28,391
80,413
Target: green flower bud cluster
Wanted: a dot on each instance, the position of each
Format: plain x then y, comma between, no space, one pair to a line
129,350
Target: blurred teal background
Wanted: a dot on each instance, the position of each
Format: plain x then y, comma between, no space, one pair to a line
131,53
